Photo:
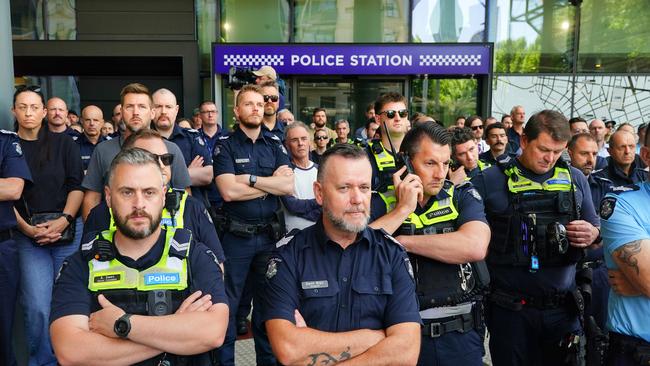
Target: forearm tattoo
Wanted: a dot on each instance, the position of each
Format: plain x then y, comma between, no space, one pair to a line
327,359
627,252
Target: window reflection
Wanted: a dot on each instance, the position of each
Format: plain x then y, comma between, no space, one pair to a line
28,20
448,21
444,99
255,21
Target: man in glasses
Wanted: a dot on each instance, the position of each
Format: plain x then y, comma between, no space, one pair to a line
477,126
196,156
137,113
319,122
392,117
271,104
321,140
251,169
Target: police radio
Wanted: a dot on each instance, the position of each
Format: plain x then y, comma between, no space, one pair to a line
401,159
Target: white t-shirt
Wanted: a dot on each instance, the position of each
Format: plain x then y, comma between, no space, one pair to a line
304,189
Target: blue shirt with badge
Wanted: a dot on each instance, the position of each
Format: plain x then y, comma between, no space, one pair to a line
368,285
238,154
624,218
618,177
492,186
86,148
12,165
278,130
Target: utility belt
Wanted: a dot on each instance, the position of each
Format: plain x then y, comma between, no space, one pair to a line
571,300
6,234
463,323
638,348
274,226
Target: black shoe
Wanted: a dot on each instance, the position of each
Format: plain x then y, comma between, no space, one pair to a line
242,326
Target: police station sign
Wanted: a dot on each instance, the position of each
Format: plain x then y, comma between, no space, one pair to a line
357,59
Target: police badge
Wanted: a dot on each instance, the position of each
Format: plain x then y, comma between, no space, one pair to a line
272,267
607,207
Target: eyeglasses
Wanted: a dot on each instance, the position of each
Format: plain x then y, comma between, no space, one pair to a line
208,112
403,113
165,159
22,88
318,138
474,128
272,98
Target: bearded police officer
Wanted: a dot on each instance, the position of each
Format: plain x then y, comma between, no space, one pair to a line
542,217
338,290
444,229
138,292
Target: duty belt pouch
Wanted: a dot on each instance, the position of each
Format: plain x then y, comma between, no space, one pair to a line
66,236
278,226
241,229
575,303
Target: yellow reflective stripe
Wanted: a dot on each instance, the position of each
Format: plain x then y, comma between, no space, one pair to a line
178,217
384,159
422,220
560,181
389,198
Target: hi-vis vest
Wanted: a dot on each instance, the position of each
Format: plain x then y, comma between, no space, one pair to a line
437,283
169,273
166,219
386,165
520,236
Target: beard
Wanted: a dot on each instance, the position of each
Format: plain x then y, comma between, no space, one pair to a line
122,225
346,226
248,124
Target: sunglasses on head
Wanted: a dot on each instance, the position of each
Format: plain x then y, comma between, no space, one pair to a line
165,159
403,113
474,128
320,138
272,98
34,88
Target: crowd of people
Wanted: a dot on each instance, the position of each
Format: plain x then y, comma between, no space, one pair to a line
149,238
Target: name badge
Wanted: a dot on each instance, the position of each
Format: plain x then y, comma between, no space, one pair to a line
309,285
242,161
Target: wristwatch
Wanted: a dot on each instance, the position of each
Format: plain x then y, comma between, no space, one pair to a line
252,180
68,217
122,326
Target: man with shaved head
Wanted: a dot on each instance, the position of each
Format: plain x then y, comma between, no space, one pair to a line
92,120
598,131
57,116
621,166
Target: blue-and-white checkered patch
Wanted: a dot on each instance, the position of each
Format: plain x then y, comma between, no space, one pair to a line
253,60
450,60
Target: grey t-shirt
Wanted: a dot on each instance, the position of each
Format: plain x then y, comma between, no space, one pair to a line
100,162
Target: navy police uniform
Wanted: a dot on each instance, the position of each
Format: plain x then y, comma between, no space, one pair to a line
214,197
251,229
489,159
368,285
86,148
12,165
75,294
534,309
449,294
618,177
277,131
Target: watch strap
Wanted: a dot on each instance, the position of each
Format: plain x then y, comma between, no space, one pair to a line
117,329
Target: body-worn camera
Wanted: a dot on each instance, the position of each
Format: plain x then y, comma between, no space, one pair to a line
239,76
556,235
159,302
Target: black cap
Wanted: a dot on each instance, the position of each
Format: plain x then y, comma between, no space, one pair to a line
610,124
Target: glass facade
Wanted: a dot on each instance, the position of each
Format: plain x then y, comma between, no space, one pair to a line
255,21
444,99
448,21
43,20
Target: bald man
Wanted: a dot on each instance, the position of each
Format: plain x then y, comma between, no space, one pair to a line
622,169
92,120
598,130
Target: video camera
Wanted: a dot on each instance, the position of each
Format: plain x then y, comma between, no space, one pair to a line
239,76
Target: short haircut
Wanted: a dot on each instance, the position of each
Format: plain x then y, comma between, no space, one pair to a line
390,97
135,88
145,133
316,110
73,112
495,125
133,156
641,128
577,120
431,130
369,122
574,140
512,111
347,151
551,122
613,137
337,123
316,131
270,84
284,110
164,91
205,102
294,125
623,125
248,88
460,136
503,118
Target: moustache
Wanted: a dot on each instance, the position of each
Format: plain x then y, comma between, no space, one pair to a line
356,209
139,213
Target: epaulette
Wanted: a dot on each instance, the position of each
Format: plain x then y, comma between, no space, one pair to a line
464,184
602,178
597,171
7,132
626,188
191,130
95,246
179,244
286,238
504,162
223,137
391,238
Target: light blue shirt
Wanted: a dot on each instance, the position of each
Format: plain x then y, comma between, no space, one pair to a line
625,217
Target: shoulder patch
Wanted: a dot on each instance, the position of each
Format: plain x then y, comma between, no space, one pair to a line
272,267
286,238
18,148
391,238
58,274
274,137
607,206
409,267
211,254
207,214
283,149
475,194
7,132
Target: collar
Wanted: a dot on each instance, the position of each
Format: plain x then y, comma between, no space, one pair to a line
615,170
241,137
322,240
206,136
176,131
278,126
441,195
149,259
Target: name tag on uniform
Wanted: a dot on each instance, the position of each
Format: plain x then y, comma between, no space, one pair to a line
309,285
242,161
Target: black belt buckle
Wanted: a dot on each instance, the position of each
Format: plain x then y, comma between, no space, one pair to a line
435,330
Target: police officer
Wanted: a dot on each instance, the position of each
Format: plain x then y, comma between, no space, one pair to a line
541,217
14,172
251,170
622,169
339,290
110,297
465,154
92,120
392,116
497,140
198,158
271,106
624,217
180,211
444,229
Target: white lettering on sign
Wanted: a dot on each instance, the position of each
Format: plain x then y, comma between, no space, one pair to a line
317,60
381,60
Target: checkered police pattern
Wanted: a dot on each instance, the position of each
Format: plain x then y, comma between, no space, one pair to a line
253,60
450,60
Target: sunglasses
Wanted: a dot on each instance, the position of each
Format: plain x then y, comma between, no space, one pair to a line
403,113
474,128
321,138
34,88
272,98
165,159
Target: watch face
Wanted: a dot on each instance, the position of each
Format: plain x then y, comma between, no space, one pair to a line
121,326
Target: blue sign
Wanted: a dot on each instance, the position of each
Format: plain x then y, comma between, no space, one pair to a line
161,278
357,59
